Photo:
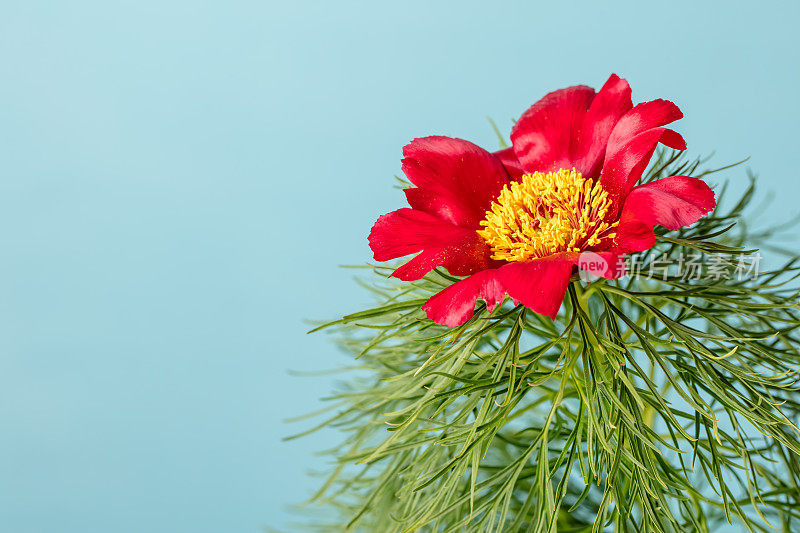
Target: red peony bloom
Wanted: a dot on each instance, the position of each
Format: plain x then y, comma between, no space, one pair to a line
517,221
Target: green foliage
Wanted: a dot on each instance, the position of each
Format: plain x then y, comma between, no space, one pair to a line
648,405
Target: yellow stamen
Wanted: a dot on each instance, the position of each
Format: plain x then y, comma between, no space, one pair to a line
547,213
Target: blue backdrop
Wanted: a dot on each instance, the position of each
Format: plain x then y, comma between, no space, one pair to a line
180,179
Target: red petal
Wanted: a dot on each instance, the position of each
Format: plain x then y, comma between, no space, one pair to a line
456,304
633,236
407,231
672,202
539,285
633,141
622,169
462,257
510,161
613,100
456,179
643,117
544,138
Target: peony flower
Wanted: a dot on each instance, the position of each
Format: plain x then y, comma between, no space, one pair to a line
521,221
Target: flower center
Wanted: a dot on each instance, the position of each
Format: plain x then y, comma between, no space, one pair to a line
547,213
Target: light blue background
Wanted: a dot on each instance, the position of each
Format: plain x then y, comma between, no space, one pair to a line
180,180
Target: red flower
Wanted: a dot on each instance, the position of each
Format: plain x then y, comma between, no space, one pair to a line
517,221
